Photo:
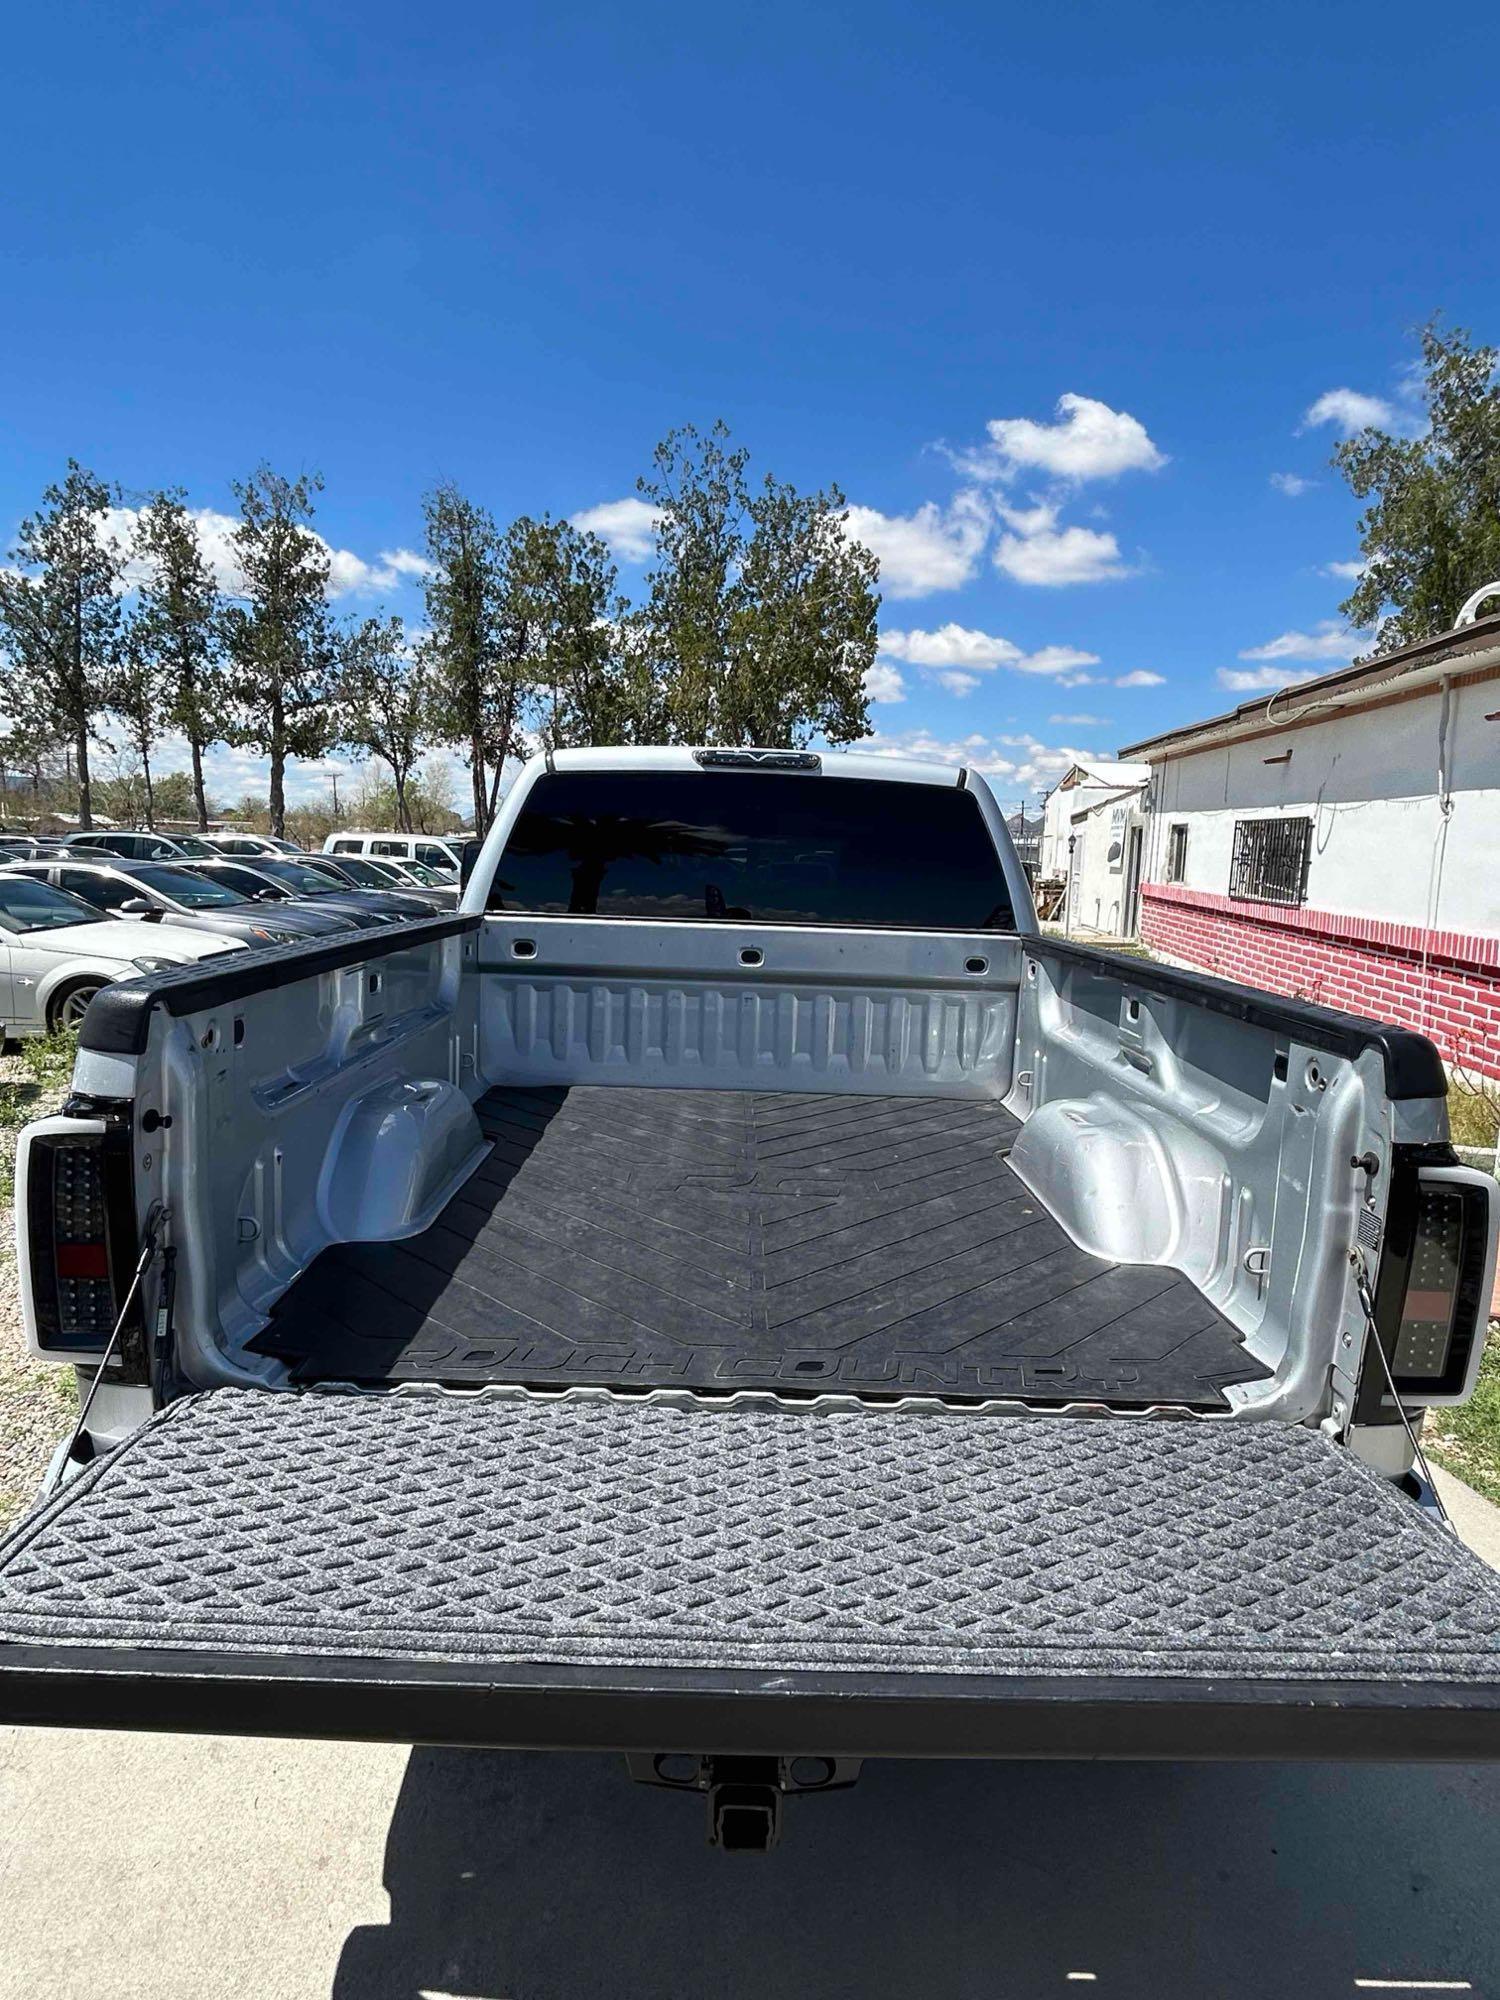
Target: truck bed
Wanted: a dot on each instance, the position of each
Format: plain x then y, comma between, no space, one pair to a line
722,1239
433,1566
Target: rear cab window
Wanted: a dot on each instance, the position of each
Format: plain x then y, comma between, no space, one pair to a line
755,847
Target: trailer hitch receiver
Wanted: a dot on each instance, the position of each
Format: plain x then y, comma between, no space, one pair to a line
744,1794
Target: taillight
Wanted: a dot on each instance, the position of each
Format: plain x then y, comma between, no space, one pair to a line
75,1177
1436,1276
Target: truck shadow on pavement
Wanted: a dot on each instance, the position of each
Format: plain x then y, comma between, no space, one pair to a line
529,1875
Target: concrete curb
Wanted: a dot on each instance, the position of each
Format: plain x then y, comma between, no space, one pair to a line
1476,1519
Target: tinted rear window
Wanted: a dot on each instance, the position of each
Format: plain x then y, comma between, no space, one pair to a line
754,847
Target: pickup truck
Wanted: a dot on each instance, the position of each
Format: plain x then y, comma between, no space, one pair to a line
736,1294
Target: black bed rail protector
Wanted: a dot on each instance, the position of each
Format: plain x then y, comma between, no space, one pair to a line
1413,1067
743,1712
118,1016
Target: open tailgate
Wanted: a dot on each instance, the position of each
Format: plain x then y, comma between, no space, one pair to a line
632,1575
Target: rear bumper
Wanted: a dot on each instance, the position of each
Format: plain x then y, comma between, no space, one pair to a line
844,1715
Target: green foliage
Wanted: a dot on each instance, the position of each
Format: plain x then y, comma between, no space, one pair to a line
430,803
279,636
60,622
36,1082
583,673
760,618
384,702
471,651
176,628
757,627
138,698
1431,534
1466,1439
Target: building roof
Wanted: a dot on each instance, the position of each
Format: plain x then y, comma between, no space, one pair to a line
1106,799
1091,772
1469,648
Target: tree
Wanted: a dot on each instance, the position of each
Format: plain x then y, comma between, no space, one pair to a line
429,800
384,702
471,650
759,623
177,623
1431,534
137,695
60,619
564,610
279,637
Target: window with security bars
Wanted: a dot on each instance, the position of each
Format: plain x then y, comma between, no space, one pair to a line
1271,858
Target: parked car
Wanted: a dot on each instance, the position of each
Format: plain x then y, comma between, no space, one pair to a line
246,879
443,851
303,879
26,846
153,890
57,952
837,1321
394,876
246,844
140,846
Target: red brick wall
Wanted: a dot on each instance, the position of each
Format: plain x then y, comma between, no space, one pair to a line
1360,964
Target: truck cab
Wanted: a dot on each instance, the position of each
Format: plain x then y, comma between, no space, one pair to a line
736,1289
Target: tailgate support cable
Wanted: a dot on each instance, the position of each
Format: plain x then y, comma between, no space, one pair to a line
154,1222
1367,1303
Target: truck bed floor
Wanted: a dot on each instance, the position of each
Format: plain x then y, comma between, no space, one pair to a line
729,1239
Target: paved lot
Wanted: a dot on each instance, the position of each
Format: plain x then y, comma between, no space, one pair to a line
204,1867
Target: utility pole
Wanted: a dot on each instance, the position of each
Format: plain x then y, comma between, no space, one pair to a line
336,812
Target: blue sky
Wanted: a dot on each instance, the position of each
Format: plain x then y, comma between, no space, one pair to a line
511,246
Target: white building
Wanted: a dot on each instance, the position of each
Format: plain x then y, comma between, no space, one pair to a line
1082,785
1340,839
1109,836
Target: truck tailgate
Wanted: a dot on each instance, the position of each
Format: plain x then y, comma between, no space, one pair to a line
627,1574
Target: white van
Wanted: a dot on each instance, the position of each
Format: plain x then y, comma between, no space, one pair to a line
435,852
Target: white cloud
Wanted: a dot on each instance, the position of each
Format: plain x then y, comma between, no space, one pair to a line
1250,680
1016,763
1345,572
1348,410
629,526
1292,484
959,647
883,683
1079,721
950,646
1040,552
1056,660
935,548
349,575
1330,641
1088,440
956,681
1140,677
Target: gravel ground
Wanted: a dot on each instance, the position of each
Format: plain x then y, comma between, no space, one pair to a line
37,1405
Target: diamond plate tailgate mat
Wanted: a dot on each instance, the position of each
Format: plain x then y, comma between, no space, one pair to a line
589,1547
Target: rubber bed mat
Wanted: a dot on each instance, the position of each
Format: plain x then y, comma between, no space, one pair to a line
505,1530
732,1239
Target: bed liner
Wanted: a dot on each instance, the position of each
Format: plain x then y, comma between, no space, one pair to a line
732,1239
432,1566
